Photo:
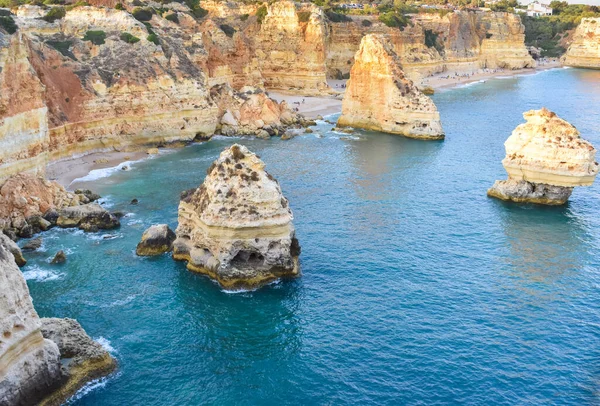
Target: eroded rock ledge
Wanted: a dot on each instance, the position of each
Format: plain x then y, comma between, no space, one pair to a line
545,159
237,226
380,97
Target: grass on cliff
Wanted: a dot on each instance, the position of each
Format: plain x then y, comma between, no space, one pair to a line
261,13
337,17
95,37
130,39
197,11
55,13
8,24
142,14
172,17
63,47
227,29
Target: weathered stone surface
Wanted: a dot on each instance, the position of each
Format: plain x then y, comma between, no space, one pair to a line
29,364
584,51
59,258
237,226
83,359
13,248
33,244
545,159
156,240
88,217
379,97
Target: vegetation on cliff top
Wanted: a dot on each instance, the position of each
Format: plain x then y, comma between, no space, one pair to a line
129,38
95,37
55,13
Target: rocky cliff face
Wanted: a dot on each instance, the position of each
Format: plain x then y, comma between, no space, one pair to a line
584,51
545,159
29,364
237,226
379,97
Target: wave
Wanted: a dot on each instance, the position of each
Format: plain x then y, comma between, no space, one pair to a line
90,386
102,237
105,343
96,174
41,275
242,291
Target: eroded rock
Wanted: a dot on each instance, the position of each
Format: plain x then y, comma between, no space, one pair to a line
88,217
156,240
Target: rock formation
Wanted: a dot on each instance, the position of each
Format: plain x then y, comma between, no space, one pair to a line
29,364
379,97
545,159
88,217
156,240
13,248
584,51
237,226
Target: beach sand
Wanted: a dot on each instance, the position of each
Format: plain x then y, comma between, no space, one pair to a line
67,170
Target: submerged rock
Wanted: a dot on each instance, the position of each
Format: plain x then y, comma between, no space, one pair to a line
545,159
82,358
88,217
59,258
156,240
380,97
237,226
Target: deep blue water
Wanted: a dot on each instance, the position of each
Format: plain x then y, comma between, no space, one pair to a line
416,287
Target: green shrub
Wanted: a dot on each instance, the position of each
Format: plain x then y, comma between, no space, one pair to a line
227,29
337,17
197,11
261,13
172,17
52,2
55,13
431,41
366,23
304,16
394,20
148,27
62,47
153,38
142,14
130,39
119,6
244,17
95,37
78,4
138,3
8,24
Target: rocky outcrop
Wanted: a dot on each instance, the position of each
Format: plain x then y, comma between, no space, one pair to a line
156,240
379,97
29,364
545,159
13,248
584,51
504,42
83,358
237,226
87,217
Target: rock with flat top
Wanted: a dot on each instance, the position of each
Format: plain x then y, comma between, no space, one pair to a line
87,217
156,240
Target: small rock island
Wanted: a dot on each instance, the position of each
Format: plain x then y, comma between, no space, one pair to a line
380,97
545,159
237,226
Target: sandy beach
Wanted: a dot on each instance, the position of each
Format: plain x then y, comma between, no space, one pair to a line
67,170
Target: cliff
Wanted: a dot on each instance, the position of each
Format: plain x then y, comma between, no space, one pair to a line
584,51
379,97
237,226
545,159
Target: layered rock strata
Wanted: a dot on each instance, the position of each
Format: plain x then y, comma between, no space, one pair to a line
156,240
379,97
237,226
545,159
584,51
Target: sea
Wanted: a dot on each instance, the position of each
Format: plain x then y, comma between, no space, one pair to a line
416,288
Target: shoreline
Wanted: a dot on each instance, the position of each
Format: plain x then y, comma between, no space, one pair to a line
68,170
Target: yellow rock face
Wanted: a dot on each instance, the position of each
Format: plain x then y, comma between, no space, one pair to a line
584,51
379,97
547,149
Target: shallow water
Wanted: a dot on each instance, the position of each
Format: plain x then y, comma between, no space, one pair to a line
416,287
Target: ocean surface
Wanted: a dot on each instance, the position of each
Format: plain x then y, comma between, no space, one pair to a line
416,289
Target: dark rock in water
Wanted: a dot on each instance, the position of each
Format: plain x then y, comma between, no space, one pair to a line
26,231
118,214
33,245
38,223
82,358
88,217
88,194
13,248
521,191
11,233
51,216
59,258
135,201
156,240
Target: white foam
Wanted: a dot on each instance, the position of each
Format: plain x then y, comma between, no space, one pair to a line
96,174
105,344
102,237
41,275
90,386
238,291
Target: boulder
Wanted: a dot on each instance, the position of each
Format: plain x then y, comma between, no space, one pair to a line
237,226
88,217
10,246
156,240
33,244
59,258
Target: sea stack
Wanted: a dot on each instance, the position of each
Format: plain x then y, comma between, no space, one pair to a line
584,51
237,226
380,97
545,159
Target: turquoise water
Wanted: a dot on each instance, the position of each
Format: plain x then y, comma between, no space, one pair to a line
416,287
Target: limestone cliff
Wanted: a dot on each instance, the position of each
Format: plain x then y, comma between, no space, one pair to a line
29,364
545,159
237,226
504,42
379,97
584,51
